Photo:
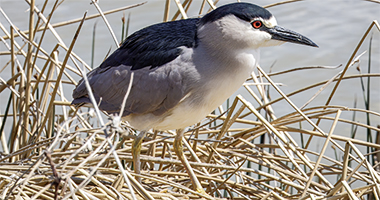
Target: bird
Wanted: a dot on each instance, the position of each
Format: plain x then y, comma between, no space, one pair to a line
183,70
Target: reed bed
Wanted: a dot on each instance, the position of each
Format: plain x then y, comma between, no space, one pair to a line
51,150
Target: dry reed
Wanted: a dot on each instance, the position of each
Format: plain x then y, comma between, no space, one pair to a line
54,151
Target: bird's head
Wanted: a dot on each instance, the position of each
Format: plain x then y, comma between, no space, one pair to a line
246,25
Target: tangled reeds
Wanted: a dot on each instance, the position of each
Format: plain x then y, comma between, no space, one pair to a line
241,151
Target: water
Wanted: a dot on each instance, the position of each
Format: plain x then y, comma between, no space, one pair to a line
336,26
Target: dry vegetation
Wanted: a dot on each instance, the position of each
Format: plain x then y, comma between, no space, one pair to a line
50,150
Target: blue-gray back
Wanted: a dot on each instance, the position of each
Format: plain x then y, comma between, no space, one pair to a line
157,85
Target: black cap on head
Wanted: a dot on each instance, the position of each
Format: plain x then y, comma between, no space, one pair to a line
244,11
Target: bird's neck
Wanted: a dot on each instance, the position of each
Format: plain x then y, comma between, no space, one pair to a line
212,41
227,59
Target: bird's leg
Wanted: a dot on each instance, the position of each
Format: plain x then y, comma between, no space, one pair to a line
178,148
136,150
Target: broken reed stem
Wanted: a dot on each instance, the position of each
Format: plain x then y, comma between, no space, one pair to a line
14,145
29,72
166,11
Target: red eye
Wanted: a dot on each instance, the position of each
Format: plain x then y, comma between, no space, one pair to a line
256,24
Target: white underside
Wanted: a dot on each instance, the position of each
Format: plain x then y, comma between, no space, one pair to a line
214,89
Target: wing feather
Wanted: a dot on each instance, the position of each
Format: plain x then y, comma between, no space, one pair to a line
149,54
153,91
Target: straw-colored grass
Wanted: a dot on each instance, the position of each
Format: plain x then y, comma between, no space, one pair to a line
55,151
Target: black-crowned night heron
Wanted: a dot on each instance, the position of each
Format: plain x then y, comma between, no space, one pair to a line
183,70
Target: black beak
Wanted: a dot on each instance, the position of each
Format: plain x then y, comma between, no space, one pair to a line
283,34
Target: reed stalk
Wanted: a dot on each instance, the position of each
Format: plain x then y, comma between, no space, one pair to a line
246,149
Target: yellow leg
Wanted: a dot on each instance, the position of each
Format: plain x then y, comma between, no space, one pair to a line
178,148
136,150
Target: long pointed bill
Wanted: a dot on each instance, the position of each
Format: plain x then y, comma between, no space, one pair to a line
283,34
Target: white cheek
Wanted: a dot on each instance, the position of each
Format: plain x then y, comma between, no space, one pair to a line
258,39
